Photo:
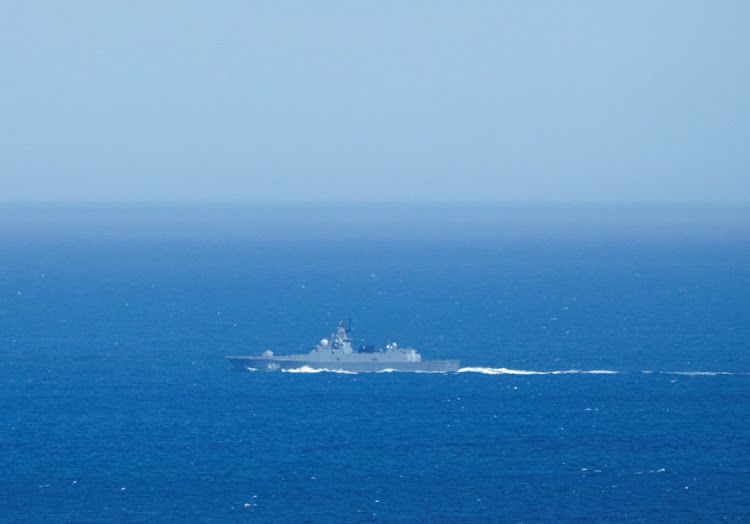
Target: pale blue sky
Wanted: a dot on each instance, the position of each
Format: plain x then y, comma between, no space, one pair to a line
375,101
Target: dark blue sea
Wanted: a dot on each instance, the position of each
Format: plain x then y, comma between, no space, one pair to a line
604,353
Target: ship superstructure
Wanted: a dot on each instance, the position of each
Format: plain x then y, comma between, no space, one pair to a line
338,353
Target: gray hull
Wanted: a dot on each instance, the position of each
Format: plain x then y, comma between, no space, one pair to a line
280,363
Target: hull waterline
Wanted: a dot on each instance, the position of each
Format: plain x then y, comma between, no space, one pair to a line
272,364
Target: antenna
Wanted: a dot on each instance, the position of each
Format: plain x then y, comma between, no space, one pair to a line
350,325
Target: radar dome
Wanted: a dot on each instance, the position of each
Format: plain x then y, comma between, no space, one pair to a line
324,343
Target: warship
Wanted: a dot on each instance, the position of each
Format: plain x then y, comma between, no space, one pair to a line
339,354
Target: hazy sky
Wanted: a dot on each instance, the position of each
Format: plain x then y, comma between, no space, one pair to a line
375,101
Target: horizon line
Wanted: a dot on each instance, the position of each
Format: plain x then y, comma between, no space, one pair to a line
377,203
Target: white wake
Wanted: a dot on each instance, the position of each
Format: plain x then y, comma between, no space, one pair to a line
308,369
700,373
506,371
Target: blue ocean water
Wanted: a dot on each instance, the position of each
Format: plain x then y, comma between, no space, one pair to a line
606,372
